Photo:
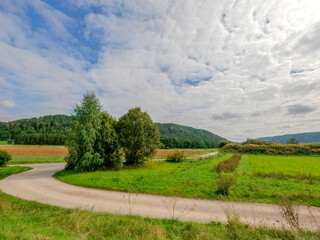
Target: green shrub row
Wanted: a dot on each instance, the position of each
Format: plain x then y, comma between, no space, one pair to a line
274,149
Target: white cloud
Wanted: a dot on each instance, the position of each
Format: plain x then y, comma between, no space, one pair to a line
7,104
244,62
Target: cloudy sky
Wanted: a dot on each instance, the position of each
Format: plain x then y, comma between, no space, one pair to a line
239,68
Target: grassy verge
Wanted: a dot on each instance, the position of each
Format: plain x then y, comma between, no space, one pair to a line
35,159
21,219
199,179
3,142
7,171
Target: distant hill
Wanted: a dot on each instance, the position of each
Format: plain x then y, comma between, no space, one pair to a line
310,137
53,129
178,136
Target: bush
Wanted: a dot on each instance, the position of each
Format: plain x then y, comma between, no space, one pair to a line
4,157
229,165
222,144
10,141
176,156
274,149
224,183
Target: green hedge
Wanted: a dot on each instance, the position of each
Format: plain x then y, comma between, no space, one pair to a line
274,149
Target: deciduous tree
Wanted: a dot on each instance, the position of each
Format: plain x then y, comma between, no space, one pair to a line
86,123
107,144
138,135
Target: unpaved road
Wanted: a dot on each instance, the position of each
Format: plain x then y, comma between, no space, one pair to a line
39,185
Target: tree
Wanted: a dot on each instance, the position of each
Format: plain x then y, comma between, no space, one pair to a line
138,135
107,144
81,140
222,143
292,141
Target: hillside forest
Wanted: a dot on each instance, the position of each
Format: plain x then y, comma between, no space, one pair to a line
53,130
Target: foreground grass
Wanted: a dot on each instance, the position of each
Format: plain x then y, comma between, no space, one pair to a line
198,179
21,219
35,159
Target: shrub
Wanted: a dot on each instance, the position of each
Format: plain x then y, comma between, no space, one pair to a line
229,165
10,141
176,156
4,157
222,143
224,183
274,149
290,213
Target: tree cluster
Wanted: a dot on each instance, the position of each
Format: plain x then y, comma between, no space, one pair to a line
97,140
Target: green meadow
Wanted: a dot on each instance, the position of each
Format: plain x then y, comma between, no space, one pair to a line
258,178
35,159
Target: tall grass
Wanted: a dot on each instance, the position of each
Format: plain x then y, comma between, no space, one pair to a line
229,165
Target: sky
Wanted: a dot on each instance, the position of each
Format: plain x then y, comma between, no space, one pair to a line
238,68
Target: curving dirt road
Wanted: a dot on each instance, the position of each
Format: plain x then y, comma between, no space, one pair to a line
39,185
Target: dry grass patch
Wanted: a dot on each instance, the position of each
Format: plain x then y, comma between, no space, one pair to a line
31,150
229,165
61,151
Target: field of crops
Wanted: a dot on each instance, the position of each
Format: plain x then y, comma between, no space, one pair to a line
60,151
30,150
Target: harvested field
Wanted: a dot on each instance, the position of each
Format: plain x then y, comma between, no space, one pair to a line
31,150
61,151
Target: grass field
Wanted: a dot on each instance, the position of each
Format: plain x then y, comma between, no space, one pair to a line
3,142
288,165
255,180
35,159
21,219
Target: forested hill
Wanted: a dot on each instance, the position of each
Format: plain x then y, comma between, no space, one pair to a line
47,130
310,137
52,130
178,136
